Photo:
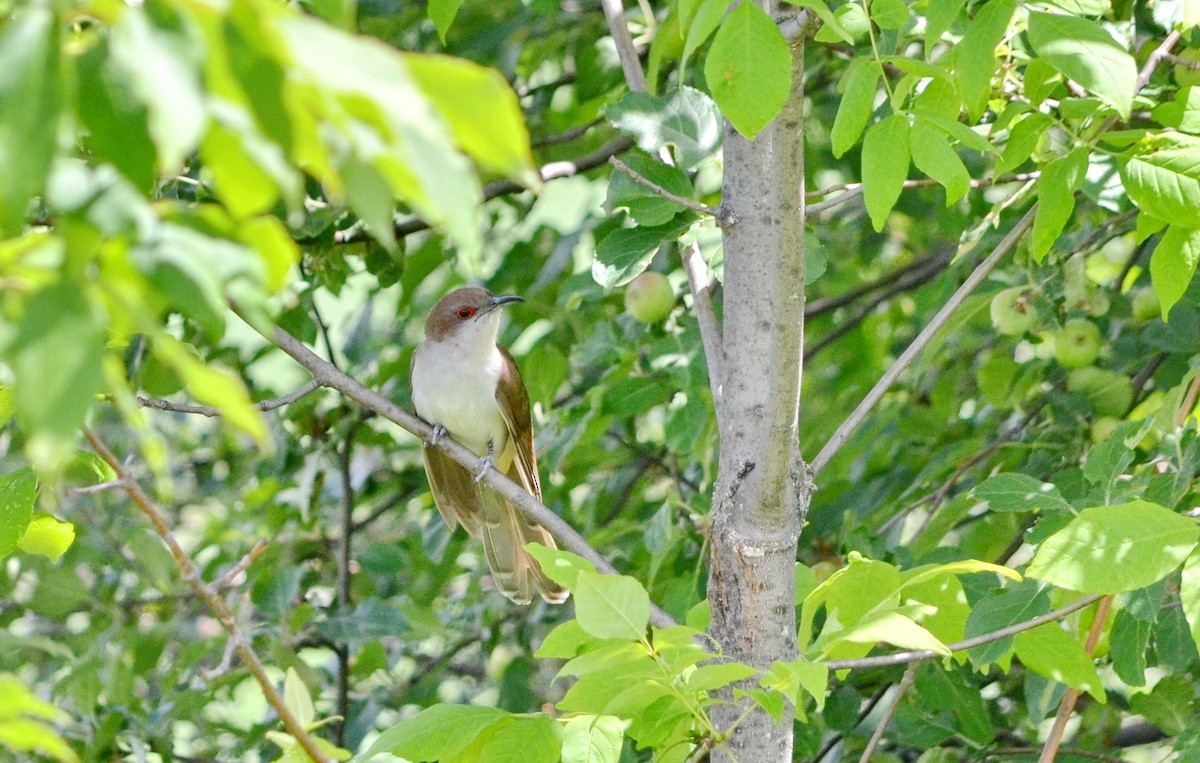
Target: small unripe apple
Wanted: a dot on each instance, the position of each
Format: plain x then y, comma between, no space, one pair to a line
1103,428
1012,311
1108,392
649,297
1144,303
1184,75
1077,344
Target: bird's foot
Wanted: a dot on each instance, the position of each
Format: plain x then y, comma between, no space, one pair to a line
439,432
485,463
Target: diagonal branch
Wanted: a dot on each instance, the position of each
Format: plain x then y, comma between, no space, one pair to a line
530,507
923,339
191,576
160,404
920,655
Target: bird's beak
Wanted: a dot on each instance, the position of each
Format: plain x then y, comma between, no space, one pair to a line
504,299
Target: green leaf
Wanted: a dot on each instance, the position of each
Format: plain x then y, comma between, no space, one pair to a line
830,23
278,251
885,159
48,537
891,628
442,13
749,69
889,14
1084,52
790,677
250,172
592,739
1163,179
1000,610
1049,651
1129,639
436,732
18,491
561,566
117,122
858,100
685,118
1189,594
165,82
1020,492
462,90
29,109
212,386
647,207
939,16
975,55
927,572
566,640
709,677
1056,188
611,606
1173,264
1110,549
522,739
56,360
624,253
707,18
932,154
400,133
297,699
1023,138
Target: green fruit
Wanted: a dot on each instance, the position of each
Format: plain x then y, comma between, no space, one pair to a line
649,297
1144,303
1109,393
1103,428
1077,343
1012,311
1185,76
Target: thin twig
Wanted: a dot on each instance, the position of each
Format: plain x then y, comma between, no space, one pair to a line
849,191
919,655
207,410
702,284
567,135
1155,58
910,677
631,65
1050,750
645,182
828,304
1004,751
530,508
924,338
226,580
224,614
345,549
912,280
103,487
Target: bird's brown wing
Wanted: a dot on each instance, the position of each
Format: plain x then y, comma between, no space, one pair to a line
457,495
513,400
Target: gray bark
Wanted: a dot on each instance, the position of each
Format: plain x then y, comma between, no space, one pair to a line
762,489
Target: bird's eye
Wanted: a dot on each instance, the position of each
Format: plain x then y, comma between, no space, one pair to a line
465,312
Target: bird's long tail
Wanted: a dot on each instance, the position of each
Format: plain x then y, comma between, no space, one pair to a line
504,533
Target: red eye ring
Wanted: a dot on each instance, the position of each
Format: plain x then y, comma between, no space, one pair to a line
465,312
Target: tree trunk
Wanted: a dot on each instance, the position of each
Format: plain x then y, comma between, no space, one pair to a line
762,490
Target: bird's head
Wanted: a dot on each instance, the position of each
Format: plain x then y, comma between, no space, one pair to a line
467,313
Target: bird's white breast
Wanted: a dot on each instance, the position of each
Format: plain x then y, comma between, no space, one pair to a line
453,388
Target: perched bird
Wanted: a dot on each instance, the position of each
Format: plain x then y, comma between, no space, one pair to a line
467,386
